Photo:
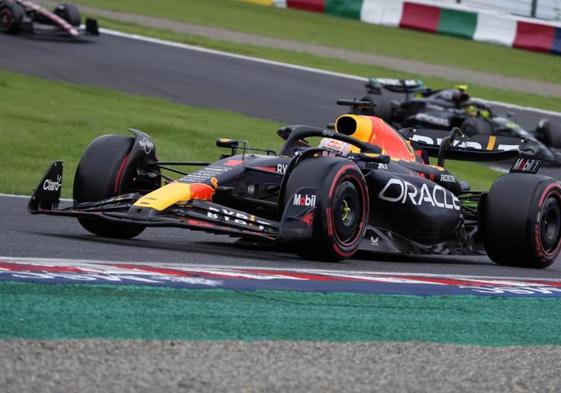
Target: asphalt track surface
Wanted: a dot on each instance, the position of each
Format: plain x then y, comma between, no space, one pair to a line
194,78
205,80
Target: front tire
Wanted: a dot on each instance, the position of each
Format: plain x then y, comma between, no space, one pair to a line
341,211
102,173
550,133
70,13
11,15
521,221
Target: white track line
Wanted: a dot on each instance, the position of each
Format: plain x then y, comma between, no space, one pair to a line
14,196
286,65
228,54
28,196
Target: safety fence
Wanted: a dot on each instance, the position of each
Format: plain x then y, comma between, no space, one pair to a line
451,19
542,9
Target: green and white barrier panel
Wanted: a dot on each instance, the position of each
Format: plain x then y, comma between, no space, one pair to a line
516,32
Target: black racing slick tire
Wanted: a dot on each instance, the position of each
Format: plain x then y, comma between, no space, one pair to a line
551,133
100,175
341,211
70,13
382,108
11,15
476,126
521,220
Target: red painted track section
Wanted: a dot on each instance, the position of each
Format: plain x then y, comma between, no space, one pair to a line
52,271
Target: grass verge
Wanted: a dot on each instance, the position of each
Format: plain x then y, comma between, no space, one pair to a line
62,127
39,311
514,97
348,34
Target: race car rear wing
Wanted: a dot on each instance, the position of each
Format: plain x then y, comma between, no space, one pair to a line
456,146
375,85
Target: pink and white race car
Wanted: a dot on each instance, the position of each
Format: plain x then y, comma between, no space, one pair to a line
24,16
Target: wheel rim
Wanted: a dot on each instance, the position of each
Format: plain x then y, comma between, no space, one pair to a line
6,19
346,212
550,224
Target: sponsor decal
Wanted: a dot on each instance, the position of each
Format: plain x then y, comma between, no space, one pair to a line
526,165
435,120
446,178
304,200
53,185
397,82
281,168
207,173
401,191
427,140
382,166
237,217
250,278
308,219
146,144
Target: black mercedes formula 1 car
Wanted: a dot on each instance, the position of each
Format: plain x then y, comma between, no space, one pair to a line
365,186
422,107
24,16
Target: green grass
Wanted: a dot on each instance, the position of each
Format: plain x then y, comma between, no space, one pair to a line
519,98
349,34
39,311
37,129
44,120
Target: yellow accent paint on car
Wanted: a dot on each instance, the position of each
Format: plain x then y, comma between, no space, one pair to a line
361,129
492,141
165,196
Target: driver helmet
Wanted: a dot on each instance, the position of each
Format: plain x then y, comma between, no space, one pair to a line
471,110
460,96
336,147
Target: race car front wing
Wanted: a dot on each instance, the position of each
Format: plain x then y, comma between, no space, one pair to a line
194,214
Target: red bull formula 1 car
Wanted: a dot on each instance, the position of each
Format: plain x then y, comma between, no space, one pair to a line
366,186
18,16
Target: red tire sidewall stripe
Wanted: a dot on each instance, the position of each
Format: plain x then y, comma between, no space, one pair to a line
10,17
119,176
537,227
329,211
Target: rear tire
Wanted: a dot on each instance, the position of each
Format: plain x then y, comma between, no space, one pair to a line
383,108
341,211
521,221
551,133
11,15
102,174
70,13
